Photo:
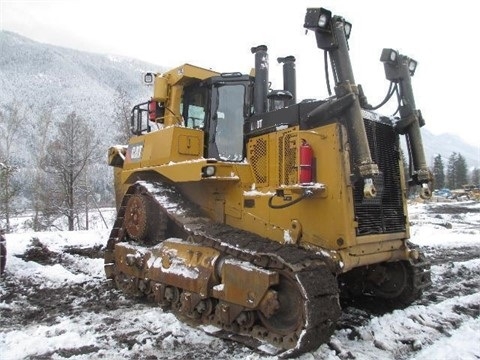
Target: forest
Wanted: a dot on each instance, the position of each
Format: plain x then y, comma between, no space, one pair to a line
55,168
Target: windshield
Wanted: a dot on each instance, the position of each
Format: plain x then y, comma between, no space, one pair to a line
229,130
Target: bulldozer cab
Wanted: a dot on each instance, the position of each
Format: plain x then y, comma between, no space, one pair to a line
219,107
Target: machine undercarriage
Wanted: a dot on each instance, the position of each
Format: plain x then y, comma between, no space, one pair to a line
164,249
290,295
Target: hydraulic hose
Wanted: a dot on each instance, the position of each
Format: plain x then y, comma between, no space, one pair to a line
293,202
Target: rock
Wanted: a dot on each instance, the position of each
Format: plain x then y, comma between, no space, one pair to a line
381,345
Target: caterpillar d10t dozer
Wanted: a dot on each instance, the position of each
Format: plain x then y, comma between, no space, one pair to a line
242,208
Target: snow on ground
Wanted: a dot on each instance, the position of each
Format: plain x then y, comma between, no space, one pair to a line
60,306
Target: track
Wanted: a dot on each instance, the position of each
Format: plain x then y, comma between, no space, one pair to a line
305,307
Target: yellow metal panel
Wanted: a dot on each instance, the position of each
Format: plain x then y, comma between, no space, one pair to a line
330,220
174,116
182,171
183,73
159,151
382,250
119,190
189,145
244,283
158,155
172,149
134,154
324,219
191,170
160,90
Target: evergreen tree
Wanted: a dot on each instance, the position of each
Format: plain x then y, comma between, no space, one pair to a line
475,176
462,171
456,171
451,171
438,172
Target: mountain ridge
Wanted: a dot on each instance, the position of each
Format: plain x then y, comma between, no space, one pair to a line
67,80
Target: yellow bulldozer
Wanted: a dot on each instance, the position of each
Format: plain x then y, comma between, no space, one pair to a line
241,208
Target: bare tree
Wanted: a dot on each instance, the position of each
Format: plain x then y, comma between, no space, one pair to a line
9,189
12,117
122,113
41,198
68,156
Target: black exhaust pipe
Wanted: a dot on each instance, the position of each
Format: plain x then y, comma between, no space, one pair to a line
260,89
289,77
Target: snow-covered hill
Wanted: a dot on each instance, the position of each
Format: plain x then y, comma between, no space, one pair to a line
55,303
446,144
40,75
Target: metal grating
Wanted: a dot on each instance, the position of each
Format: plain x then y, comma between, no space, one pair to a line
287,150
258,160
383,214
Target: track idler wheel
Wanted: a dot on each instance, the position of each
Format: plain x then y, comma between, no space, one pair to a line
289,317
394,279
144,221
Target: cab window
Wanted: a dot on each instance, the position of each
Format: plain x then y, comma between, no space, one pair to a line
194,107
230,120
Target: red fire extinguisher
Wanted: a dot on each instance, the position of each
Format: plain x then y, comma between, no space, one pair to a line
306,163
152,110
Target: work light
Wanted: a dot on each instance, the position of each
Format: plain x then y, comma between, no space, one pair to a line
323,20
348,29
389,55
148,78
318,19
412,66
208,171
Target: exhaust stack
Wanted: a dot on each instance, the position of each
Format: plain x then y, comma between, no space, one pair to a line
260,89
289,77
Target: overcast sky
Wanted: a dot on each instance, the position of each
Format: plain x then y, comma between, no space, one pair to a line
218,34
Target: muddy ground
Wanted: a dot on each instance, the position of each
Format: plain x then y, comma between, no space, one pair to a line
103,311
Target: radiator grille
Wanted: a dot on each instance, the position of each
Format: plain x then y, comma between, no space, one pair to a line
287,150
384,213
258,160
